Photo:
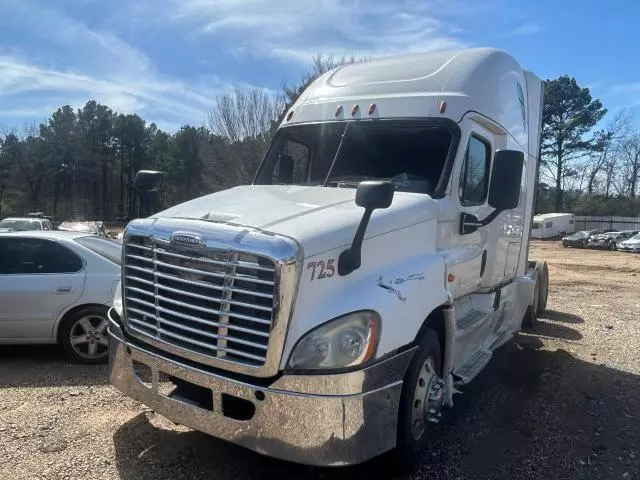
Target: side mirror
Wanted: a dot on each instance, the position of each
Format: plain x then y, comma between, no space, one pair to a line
371,195
374,195
504,189
148,181
506,177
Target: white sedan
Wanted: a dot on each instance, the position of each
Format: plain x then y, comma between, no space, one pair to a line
630,245
56,287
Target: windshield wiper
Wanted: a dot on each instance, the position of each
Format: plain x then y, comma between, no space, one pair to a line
335,157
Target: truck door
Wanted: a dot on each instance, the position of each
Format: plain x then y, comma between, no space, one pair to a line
468,258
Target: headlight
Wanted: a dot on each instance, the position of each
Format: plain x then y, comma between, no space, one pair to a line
117,299
344,342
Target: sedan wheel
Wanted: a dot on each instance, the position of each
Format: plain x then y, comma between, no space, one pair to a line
84,335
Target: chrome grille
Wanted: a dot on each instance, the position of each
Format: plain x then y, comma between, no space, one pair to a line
219,304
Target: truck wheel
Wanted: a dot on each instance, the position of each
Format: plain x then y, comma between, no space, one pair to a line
543,290
83,335
531,315
421,402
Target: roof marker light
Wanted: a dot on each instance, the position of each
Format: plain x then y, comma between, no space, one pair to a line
338,110
355,109
372,108
290,115
443,106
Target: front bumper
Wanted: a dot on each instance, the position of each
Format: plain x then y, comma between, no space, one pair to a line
325,420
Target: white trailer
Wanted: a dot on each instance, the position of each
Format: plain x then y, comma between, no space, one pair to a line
329,311
549,225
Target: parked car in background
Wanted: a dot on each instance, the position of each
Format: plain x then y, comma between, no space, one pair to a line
579,239
97,228
610,240
56,287
23,224
630,245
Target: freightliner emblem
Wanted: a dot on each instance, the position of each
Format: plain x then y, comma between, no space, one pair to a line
186,239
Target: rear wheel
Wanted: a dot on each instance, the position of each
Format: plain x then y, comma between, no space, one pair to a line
531,315
83,335
543,289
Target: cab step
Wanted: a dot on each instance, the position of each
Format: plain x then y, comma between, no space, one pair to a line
470,320
473,365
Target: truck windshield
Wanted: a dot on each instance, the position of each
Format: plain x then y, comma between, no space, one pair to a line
341,154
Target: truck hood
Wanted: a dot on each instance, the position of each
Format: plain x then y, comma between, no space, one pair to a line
319,218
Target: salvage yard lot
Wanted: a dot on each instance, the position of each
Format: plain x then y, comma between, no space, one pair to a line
562,401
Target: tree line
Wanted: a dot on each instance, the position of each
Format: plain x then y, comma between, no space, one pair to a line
80,164
586,171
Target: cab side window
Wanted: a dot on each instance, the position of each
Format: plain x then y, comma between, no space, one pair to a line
474,178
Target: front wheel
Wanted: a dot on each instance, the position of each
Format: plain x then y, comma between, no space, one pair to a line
421,402
83,335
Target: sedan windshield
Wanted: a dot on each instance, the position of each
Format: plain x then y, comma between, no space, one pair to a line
105,248
18,225
338,154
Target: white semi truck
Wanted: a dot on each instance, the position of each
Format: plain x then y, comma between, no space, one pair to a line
329,311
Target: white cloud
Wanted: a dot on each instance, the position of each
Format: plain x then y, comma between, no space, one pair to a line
119,91
524,30
626,87
295,30
74,63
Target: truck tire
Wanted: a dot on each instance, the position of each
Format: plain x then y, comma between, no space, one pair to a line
421,391
543,290
531,315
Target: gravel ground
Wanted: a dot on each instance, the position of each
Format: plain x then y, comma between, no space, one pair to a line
562,401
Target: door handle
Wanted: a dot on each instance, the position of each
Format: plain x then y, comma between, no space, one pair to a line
65,289
483,264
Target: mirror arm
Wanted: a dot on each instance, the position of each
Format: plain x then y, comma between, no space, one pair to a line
351,258
490,218
467,220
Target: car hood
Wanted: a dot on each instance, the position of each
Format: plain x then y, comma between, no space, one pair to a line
319,218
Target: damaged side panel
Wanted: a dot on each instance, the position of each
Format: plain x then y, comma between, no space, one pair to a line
403,285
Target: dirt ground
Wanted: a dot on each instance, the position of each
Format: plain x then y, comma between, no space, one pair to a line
560,402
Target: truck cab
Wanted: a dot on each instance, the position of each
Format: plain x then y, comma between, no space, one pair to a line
329,311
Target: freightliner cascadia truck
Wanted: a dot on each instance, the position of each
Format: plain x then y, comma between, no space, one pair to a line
331,310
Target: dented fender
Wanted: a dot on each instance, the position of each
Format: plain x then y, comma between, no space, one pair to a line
403,284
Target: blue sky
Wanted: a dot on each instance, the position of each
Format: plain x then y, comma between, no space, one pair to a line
167,60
